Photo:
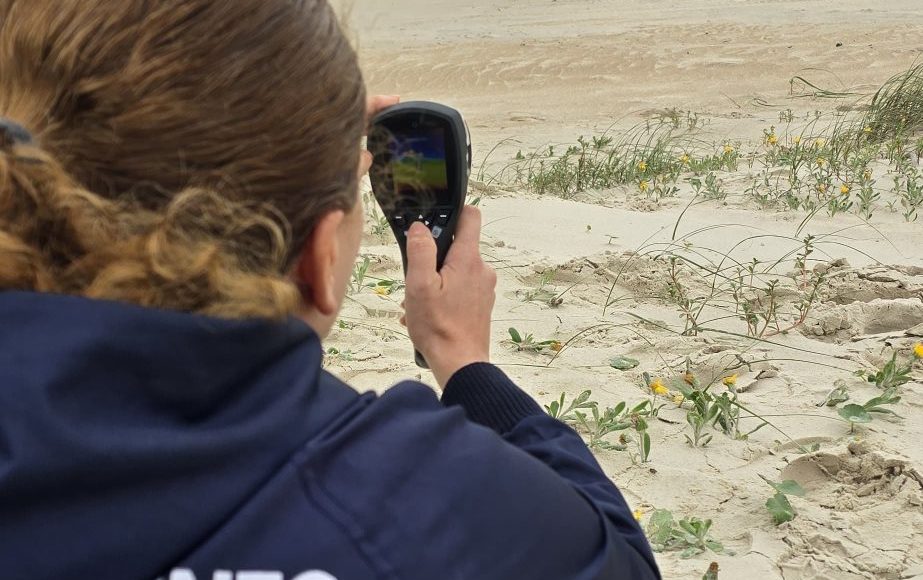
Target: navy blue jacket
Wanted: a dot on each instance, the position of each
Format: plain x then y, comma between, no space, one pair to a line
138,444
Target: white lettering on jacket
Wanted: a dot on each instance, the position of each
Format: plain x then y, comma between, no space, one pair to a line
186,574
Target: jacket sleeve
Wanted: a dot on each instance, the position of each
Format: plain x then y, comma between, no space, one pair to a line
491,399
425,492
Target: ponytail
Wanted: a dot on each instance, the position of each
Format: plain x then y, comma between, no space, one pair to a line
200,253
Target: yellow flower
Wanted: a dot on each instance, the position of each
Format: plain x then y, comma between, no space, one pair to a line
684,159
658,387
730,381
728,149
771,139
867,130
678,398
822,187
796,139
644,185
382,290
642,167
844,189
818,143
556,346
638,515
821,161
918,350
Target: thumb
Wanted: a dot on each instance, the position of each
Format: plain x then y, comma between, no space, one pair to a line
421,254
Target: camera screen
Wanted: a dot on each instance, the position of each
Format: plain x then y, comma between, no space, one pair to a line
418,165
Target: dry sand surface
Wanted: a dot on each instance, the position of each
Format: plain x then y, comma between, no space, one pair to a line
531,72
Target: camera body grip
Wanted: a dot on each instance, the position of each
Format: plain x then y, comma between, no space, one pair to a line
421,165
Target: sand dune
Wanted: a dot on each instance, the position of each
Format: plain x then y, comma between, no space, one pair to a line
548,70
534,72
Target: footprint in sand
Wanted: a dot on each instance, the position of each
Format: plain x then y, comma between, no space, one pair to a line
861,517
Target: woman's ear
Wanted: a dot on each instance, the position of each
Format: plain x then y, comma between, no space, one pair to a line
316,269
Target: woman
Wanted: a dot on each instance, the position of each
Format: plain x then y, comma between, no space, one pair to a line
179,217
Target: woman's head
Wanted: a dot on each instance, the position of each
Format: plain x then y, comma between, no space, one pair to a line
184,150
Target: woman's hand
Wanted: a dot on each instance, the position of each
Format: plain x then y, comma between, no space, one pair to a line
448,312
374,105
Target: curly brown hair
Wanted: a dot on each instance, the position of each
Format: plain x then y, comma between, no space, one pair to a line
183,149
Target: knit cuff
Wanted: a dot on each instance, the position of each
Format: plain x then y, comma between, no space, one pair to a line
489,397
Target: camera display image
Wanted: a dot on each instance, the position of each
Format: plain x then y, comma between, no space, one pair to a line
418,164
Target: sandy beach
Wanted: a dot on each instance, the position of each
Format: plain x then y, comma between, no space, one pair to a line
602,272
